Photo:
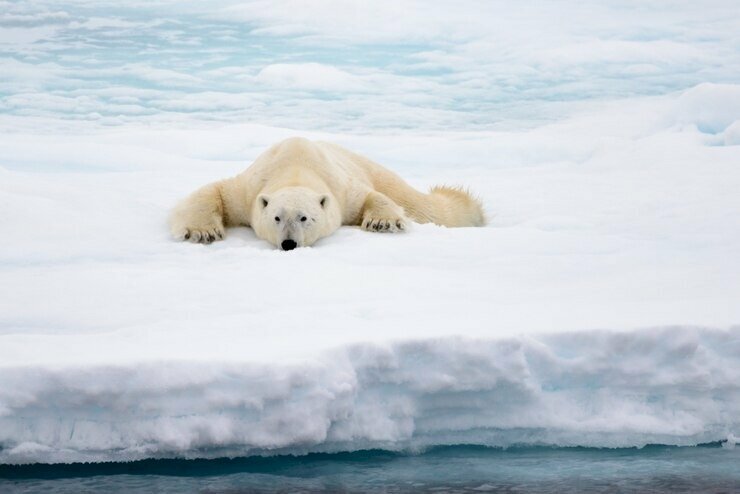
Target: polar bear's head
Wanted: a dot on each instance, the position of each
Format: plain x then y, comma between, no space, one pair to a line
295,217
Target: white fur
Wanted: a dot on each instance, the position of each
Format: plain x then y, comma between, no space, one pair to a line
323,183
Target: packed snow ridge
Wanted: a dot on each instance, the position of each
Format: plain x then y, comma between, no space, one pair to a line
669,386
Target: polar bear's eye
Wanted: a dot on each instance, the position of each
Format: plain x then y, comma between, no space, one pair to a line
303,218
277,219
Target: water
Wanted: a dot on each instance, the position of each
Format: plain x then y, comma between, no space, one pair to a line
653,469
404,67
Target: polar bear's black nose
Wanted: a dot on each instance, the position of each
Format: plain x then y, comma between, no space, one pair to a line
288,244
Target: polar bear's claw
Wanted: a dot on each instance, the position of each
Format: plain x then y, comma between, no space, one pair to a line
201,236
384,225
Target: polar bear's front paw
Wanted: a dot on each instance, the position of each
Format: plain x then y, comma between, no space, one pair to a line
200,235
391,225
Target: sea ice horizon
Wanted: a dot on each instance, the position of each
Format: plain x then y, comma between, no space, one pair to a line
598,308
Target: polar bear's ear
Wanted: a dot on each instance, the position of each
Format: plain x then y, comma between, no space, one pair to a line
263,200
324,200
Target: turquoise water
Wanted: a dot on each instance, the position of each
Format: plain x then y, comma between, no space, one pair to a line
654,469
356,68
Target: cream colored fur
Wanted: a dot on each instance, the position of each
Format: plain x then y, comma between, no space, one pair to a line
300,191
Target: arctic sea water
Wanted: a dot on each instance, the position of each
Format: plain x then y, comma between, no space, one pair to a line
653,469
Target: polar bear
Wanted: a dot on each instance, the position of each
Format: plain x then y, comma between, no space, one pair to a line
299,191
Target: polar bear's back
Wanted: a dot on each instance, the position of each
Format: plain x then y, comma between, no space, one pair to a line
333,164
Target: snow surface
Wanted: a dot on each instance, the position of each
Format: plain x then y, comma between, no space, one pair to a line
599,307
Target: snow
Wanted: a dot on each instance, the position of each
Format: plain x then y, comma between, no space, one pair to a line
599,307
675,386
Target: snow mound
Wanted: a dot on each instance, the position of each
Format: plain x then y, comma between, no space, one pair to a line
118,343
731,135
711,107
604,147
669,386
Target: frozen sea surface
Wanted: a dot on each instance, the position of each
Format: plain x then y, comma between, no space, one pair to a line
600,307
